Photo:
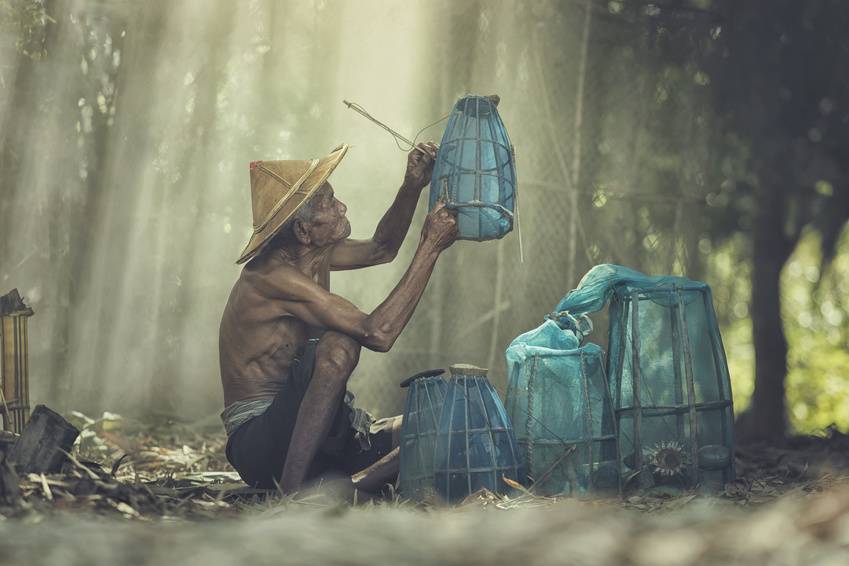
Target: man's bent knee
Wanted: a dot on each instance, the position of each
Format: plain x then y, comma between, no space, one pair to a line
338,352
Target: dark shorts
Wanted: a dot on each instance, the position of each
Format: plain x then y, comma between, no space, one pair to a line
257,448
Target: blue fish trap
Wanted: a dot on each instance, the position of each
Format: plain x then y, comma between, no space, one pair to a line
558,401
475,445
669,379
475,171
425,395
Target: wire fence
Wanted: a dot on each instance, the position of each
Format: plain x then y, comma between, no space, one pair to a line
145,203
601,120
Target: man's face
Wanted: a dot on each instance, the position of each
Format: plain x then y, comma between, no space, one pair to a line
328,224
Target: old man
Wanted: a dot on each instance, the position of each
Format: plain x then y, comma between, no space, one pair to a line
288,346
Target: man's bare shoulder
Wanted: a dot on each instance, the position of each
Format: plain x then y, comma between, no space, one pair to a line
278,280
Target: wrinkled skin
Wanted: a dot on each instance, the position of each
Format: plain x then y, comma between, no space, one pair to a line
282,298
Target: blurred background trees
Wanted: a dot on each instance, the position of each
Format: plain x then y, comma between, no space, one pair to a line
780,86
698,137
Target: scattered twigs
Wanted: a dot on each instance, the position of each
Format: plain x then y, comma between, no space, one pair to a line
180,473
117,464
547,473
82,466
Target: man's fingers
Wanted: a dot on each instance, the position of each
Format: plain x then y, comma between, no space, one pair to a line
442,206
426,148
442,211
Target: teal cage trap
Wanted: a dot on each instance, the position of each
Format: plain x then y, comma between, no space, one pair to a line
668,374
474,171
425,394
475,445
558,401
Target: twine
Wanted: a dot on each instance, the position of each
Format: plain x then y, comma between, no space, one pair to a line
395,135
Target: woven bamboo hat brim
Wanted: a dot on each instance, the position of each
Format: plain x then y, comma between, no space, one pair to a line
279,189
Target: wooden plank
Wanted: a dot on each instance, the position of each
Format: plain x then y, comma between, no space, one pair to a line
691,393
644,480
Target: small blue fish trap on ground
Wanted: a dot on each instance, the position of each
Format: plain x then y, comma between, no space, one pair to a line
425,395
558,402
475,446
668,376
475,170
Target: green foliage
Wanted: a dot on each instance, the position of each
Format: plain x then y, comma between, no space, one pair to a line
817,327
30,19
729,279
816,324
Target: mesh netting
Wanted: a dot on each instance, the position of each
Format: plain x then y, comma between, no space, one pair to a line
147,202
558,402
671,390
668,376
590,107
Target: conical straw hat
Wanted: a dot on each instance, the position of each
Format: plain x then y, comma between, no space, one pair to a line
279,189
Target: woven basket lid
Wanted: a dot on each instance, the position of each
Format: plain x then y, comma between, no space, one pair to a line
467,369
422,374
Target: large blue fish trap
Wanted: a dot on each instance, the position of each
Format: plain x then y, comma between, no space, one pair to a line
475,445
668,373
474,171
425,395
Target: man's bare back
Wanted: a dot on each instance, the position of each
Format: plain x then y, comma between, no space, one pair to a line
258,337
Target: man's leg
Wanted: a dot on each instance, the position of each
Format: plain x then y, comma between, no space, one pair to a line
374,468
336,357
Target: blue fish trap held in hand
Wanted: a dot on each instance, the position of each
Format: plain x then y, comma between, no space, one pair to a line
475,445
475,172
425,395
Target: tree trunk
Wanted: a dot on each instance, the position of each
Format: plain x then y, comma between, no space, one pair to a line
766,418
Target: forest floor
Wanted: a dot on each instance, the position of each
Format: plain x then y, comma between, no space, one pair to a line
164,494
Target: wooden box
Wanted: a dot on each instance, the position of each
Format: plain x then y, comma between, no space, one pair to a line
14,364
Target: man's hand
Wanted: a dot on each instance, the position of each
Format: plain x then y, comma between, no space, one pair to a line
440,228
420,165
393,227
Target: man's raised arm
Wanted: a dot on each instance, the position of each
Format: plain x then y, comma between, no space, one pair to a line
377,331
393,227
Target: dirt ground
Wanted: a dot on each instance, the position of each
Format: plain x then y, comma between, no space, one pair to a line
141,493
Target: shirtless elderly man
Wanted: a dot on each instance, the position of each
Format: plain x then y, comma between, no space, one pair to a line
288,345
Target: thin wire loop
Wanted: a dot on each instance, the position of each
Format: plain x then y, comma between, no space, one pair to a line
398,138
